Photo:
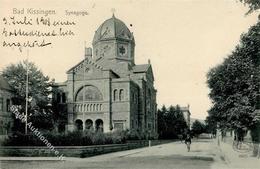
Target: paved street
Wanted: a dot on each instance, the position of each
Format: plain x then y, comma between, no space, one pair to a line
204,154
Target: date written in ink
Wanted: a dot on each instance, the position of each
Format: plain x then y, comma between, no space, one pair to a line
41,21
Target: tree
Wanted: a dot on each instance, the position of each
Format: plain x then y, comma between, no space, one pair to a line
252,4
197,128
171,122
161,120
38,91
234,85
211,125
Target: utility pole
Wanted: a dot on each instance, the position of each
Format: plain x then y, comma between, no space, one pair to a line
84,89
26,92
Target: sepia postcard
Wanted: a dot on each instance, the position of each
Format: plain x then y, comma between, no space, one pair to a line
128,84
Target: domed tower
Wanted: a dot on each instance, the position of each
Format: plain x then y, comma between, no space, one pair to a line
113,42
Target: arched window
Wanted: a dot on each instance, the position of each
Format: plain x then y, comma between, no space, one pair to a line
115,95
89,124
99,125
63,98
121,94
90,93
79,124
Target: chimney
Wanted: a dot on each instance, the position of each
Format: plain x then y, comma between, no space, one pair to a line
88,52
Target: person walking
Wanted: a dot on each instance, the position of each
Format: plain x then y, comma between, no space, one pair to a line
188,142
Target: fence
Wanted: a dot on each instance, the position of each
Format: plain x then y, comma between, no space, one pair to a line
76,151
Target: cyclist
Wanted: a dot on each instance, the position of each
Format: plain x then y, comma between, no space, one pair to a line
188,142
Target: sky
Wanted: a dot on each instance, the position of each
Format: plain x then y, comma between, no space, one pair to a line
182,38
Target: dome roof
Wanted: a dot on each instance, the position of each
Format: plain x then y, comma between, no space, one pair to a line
112,28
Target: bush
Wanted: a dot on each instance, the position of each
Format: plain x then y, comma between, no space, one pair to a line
75,138
98,138
134,135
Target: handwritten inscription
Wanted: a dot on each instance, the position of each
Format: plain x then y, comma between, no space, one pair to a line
30,29
28,44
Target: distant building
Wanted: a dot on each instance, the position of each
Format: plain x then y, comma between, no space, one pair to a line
186,113
193,120
107,91
6,95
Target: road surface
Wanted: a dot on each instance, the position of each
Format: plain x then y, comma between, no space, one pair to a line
204,154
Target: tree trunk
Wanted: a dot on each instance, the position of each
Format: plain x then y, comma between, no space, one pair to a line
255,135
255,149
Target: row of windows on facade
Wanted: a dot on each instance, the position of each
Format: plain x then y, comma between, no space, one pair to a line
118,95
8,104
88,107
98,125
89,125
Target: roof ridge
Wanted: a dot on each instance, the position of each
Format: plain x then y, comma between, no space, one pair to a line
88,61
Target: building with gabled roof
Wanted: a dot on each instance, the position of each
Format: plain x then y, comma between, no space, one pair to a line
107,91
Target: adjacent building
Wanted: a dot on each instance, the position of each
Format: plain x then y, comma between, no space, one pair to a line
6,95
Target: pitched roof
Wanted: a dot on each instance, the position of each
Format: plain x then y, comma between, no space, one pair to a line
141,68
75,66
87,61
4,84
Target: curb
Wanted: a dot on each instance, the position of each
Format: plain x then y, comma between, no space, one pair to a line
28,159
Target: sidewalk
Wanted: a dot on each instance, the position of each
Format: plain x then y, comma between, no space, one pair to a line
237,159
175,150
101,157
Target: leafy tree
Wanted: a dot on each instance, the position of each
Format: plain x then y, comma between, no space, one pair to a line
234,85
161,120
38,91
197,128
171,122
211,125
252,4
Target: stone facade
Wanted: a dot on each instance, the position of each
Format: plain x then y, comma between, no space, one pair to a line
6,96
106,90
